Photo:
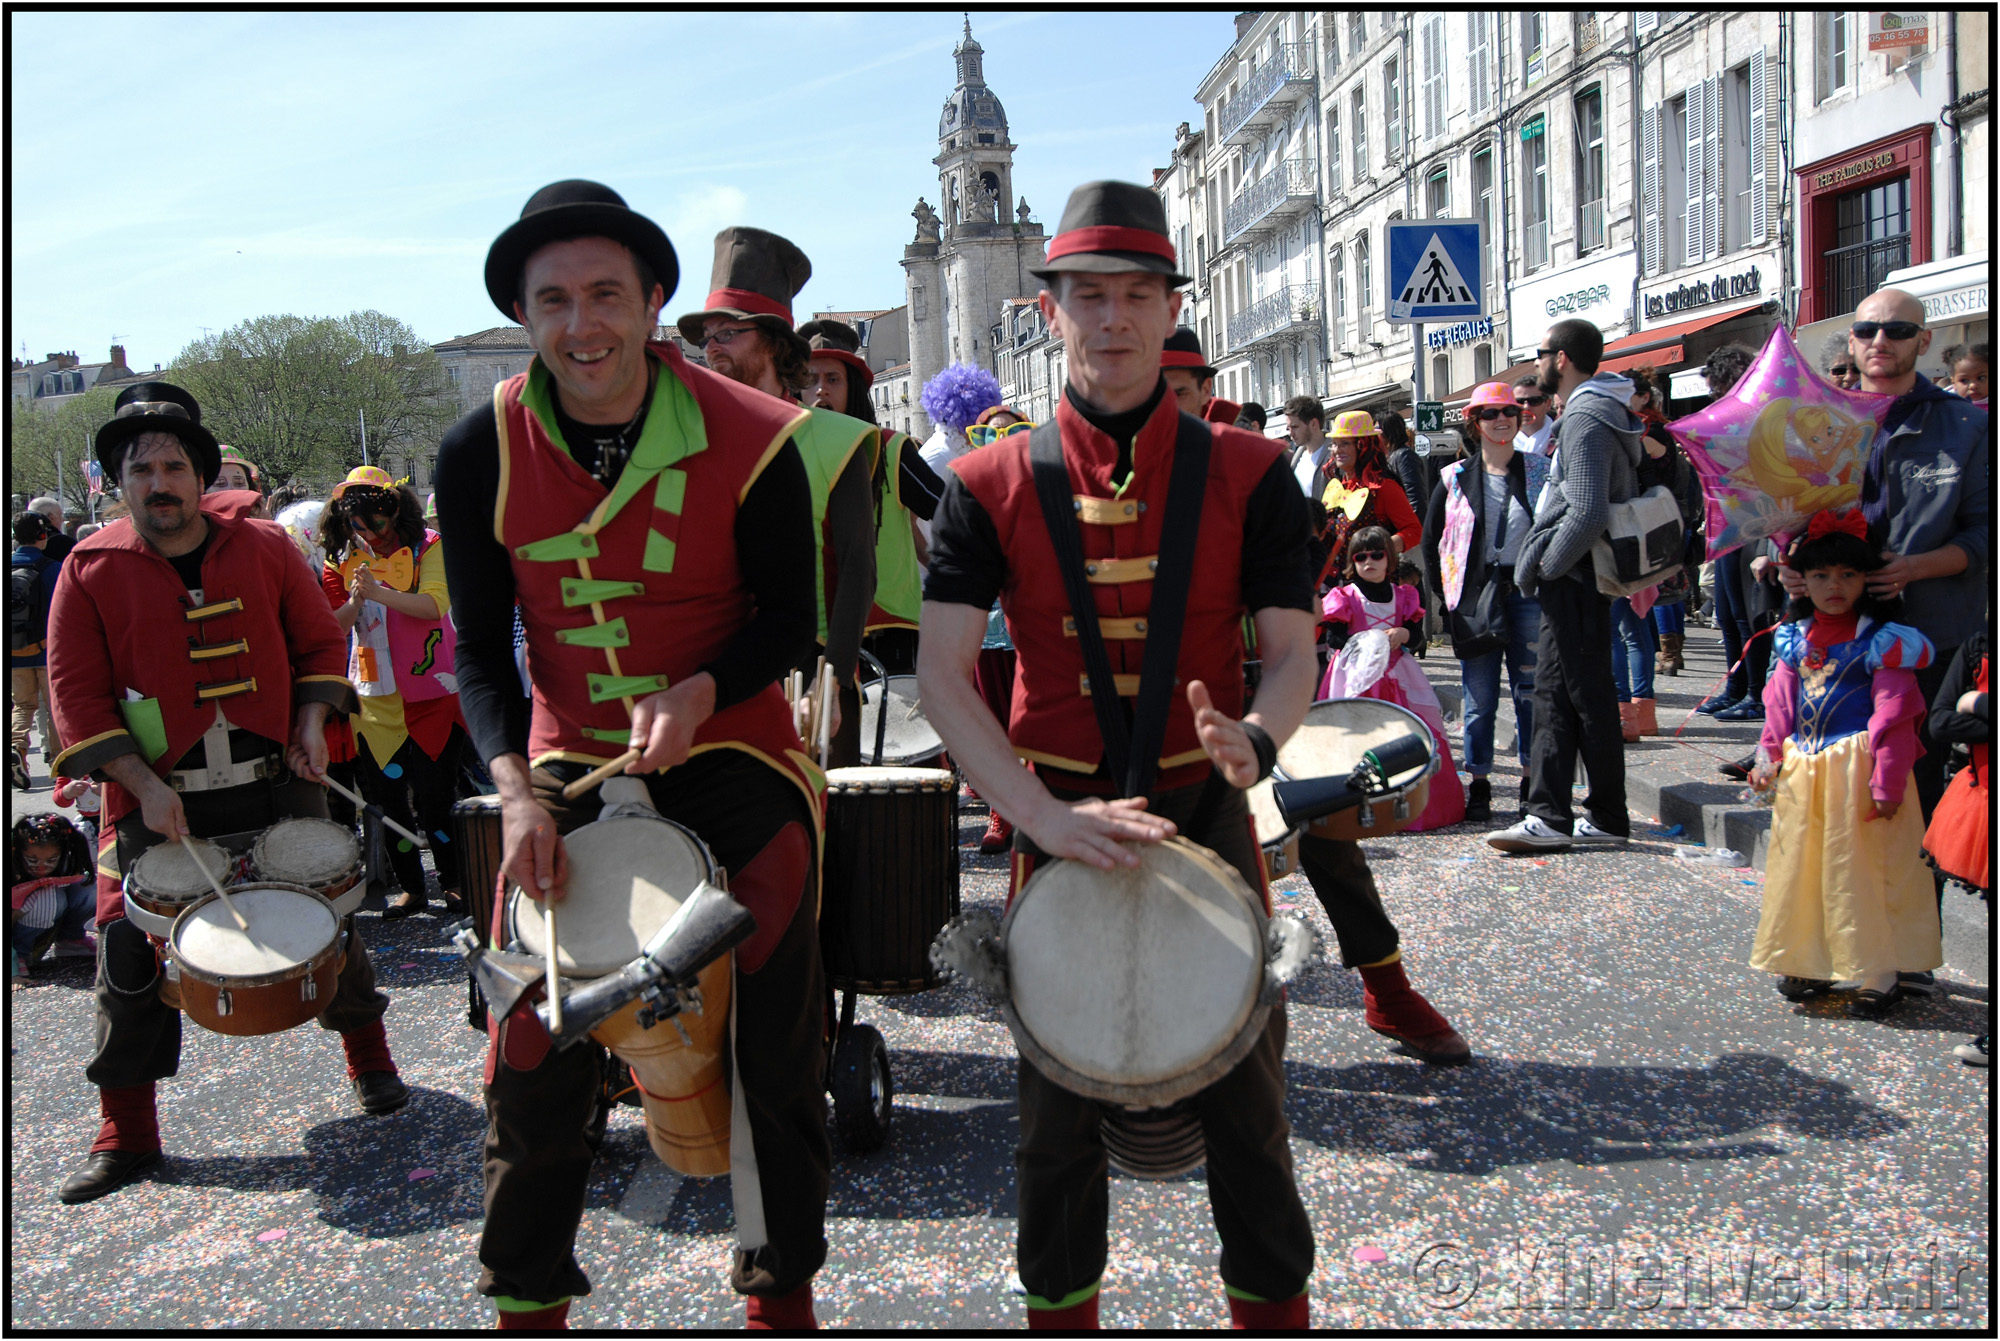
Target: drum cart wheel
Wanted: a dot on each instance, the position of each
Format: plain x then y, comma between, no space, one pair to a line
864,1093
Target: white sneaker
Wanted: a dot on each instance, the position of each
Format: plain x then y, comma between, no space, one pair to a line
1586,834
1530,835
1973,1053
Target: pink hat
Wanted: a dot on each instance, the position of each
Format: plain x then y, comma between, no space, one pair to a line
1492,393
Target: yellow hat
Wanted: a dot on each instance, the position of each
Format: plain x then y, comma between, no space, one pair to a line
1353,424
367,477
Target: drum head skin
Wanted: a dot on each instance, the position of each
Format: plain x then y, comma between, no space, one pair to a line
1338,731
887,779
306,852
288,927
627,876
908,738
1136,986
167,872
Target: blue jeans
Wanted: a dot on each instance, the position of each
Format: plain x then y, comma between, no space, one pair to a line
1732,616
1480,678
1669,619
73,910
1632,649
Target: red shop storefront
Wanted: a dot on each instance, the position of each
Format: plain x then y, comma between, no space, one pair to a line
1862,213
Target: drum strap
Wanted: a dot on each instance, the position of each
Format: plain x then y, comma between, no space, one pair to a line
1131,755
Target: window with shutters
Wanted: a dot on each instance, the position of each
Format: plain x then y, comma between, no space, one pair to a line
1735,184
1332,48
1440,375
1437,194
1835,59
1646,20
1336,264
1433,56
1333,146
1363,283
1673,184
1482,207
1357,34
1531,47
1535,194
1479,62
1357,131
1590,232
1711,161
1761,127
1482,363
1694,172
1649,192
1392,109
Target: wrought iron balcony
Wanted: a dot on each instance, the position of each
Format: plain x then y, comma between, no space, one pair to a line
1291,311
1283,192
1276,84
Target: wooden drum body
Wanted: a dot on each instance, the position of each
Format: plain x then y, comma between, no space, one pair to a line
1276,840
627,877
475,832
314,853
1334,736
890,876
277,976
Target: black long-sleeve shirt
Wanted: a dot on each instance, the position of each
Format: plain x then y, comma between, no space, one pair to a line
773,536
1946,721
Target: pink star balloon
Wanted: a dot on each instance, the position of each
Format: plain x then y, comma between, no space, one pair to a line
1782,445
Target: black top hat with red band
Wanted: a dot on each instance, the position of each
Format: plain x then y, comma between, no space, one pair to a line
1112,227
755,277
1183,350
832,339
157,407
572,209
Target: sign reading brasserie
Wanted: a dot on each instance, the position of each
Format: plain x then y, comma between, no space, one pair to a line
1720,289
1849,171
1464,333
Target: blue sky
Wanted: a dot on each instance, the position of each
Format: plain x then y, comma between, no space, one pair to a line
176,171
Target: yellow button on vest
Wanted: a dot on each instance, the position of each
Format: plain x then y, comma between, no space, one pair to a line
1138,569
1106,511
219,650
1128,630
1127,685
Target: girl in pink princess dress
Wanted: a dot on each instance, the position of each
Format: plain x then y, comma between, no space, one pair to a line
1376,611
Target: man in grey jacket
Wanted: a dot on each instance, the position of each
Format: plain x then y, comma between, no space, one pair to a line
1576,707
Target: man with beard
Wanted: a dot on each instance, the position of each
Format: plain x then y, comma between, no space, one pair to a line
652,520
193,664
746,334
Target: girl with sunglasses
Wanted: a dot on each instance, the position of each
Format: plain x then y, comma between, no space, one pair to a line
52,891
1362,491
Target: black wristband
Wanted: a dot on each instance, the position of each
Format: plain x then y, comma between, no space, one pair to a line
1267,749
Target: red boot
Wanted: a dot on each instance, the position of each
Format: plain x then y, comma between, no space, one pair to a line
1068,1314
547,1318
1396,1010
791,1312
1269,1315
999,835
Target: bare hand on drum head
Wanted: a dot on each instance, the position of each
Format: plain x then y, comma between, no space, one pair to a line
1097,831
533,855
663,724
1228,745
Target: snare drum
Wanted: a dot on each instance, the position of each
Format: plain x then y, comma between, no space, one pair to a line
1278,841
164,882
278,975
890,876
907,738
1331,742
627,876
318,854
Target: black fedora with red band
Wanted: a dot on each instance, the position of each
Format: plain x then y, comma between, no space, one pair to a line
755,277
1183,350
570,209
1110,228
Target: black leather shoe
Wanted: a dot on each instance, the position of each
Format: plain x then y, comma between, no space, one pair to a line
404,904
380,1092
1738,769
1479,801
105,1171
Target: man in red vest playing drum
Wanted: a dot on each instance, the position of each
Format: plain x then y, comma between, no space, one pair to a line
652,520
1111,299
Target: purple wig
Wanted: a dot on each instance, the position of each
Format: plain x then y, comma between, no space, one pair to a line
957,396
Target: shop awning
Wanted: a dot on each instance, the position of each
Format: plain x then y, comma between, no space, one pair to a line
1662,346
1953,290
1387,395
1507,375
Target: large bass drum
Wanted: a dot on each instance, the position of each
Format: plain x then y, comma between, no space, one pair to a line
1334,736
627,877
890,878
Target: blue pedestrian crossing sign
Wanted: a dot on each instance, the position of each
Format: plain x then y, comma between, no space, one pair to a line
1434,269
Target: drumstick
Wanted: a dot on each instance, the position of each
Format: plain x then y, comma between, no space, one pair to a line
213,883
363,803
599,774
555,983
823,726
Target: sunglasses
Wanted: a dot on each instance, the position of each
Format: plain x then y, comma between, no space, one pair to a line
1531,400
726,336
1369,556
1843,370
982,435
1895,330
1491,413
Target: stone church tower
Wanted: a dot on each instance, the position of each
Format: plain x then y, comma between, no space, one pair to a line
971,253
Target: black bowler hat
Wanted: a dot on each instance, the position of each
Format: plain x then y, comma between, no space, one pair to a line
564,210
157,407
755,277
1183,350
838,340
1112,227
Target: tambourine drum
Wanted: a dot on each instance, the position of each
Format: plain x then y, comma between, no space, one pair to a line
318,854
1278,841
276,976
907,738
1336,733
164,882
627,877
475,832
890,876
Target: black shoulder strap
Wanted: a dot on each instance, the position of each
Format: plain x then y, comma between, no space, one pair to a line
1132,758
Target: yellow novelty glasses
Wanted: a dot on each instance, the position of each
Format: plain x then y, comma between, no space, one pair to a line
982,435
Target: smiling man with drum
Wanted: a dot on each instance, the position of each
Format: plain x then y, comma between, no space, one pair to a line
651,519
1168,531
193,663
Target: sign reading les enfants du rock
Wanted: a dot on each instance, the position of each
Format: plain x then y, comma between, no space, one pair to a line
1720,289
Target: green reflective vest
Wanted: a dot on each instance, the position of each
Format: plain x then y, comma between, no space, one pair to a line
899,581
826,442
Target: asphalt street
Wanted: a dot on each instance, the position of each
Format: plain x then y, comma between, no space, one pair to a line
1648,1137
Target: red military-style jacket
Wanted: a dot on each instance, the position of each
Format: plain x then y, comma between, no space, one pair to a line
1051,720
623,592
1220,411
125,635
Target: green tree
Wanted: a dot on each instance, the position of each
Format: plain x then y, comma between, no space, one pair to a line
40,442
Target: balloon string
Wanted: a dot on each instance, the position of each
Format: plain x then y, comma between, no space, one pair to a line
1719,682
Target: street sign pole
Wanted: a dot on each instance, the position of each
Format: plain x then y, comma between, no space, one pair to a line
1416,368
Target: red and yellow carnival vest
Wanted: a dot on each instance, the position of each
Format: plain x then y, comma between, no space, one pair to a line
1051,720
624,592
